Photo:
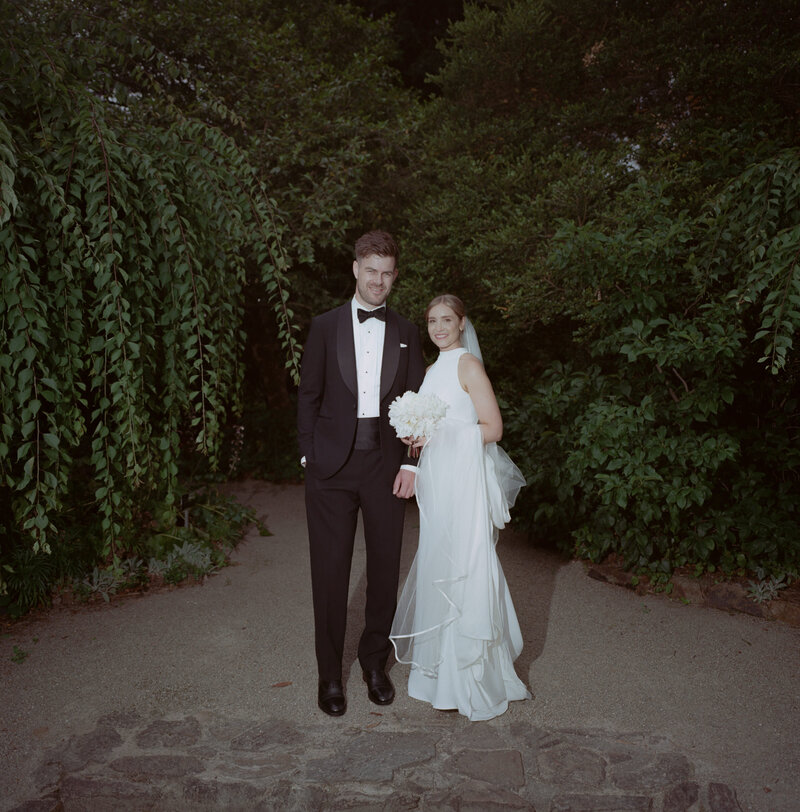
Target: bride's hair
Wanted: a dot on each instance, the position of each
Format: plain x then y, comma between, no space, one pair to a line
449,300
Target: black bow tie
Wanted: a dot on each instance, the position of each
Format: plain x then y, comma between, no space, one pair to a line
379,313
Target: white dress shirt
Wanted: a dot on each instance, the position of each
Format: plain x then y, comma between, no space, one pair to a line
368,336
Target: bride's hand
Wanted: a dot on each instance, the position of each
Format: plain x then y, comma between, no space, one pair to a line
414,445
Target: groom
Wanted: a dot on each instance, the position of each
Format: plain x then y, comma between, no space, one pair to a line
358,358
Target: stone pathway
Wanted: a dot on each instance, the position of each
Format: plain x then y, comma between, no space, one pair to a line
204,761
204,697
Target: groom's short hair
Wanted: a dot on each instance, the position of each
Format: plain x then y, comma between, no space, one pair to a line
376,243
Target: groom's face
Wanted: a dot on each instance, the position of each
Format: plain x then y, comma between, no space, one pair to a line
375,276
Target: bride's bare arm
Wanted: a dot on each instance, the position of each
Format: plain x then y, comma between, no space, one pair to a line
475,382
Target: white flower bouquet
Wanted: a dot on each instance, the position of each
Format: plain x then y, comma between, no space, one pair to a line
416,415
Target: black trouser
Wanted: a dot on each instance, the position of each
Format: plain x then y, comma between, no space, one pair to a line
332,507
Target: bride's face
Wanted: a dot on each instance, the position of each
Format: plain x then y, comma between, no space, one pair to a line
444,327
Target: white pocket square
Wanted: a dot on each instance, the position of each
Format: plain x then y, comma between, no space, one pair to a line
403,346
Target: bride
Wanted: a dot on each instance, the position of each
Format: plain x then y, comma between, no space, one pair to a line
455,622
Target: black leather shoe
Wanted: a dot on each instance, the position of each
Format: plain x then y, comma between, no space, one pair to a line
379,687
330,697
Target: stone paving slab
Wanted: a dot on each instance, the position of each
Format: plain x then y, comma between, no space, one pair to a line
204,761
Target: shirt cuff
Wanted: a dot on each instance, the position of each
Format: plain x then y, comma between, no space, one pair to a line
412,468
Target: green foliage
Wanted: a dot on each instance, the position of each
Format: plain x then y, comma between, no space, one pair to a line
126,229
211,524
417,24
271,450
190,559
674,447
767,589
755,227
103,582
327,126
29,580
612,190
325,119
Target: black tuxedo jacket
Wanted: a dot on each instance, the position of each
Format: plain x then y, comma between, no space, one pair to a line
327,407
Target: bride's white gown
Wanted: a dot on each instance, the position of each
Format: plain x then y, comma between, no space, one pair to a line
455,622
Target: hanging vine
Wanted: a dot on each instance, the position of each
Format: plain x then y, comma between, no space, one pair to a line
125,227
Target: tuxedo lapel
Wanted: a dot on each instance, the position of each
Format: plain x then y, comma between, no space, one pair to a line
391,352
346,348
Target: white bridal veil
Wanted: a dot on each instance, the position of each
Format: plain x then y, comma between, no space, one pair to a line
469,340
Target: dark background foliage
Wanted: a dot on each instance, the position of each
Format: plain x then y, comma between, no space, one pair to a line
611,187
417,26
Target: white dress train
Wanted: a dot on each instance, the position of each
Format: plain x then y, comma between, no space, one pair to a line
455,622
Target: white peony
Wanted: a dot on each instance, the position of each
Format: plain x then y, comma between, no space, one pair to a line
416,415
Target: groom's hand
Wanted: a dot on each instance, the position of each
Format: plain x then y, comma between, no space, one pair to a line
404,484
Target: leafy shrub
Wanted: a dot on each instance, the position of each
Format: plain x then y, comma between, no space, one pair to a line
30,577
677,444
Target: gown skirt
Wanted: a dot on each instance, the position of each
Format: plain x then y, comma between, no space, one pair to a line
455,622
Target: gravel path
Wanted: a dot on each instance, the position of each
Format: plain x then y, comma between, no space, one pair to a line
205,697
